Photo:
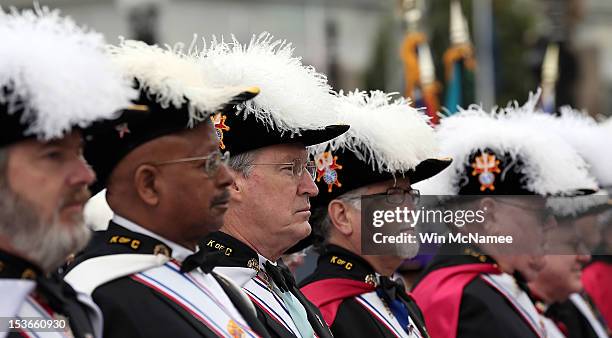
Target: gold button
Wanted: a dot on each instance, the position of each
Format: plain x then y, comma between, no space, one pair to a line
28,274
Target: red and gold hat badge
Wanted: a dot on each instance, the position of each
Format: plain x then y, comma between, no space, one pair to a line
486,166
327,169
220,126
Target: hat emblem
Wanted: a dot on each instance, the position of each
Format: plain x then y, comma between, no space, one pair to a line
327,169
220,126
486,166
122,129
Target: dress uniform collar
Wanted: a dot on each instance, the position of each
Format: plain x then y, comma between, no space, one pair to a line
336,261
175,251
118,239
13,267
236,253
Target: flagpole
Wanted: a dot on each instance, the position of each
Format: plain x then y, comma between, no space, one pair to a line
483,36
419,71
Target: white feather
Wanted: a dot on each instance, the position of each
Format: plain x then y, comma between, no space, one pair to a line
172,77
551,165
387,133
59,71
574,206
293,96
97,212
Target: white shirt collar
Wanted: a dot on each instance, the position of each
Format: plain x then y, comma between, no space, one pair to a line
179,252
263,260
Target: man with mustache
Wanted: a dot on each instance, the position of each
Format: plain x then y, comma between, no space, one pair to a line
43,176
269,209
503,169
167,184
357,292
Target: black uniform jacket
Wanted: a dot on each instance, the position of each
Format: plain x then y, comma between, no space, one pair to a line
132,309
239,256
484,311
352,318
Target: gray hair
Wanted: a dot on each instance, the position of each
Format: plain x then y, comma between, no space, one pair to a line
322,223
242,163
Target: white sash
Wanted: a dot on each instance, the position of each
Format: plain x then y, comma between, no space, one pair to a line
551,328
586,311
270,302
375,306
200,295
506,285
31,309
14,293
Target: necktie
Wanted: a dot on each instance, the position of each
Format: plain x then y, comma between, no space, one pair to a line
389,291
282,286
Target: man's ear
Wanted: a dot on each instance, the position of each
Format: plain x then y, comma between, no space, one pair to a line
339,214
490,206
237,188
147,183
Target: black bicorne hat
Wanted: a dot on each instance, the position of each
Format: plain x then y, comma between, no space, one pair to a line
108,142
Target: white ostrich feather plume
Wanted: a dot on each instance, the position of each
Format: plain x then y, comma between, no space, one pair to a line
56,73
385,132
551,165
171,76
293,96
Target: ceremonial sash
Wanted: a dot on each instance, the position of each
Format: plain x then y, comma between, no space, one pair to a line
31,309
328,294
373,304
270,302
191,291
520,301
439,296
586,311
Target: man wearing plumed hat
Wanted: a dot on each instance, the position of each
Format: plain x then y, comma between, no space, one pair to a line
54,81
558,288
389,147
274,177
167,184
506,170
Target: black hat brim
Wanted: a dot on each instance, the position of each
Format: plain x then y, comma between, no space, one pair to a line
428,168
424,170
147,120
311,137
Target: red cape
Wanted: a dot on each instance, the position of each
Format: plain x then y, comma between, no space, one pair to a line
328,294
597,280
439,293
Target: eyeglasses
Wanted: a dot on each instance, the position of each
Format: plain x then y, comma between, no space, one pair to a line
297,167
213,161
544,214
396,195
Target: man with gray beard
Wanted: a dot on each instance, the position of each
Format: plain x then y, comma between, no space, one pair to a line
350,284
43,176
